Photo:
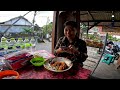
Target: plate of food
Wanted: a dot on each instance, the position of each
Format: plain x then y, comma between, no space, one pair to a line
58,64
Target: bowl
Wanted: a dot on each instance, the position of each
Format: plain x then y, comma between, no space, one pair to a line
38,61
9,74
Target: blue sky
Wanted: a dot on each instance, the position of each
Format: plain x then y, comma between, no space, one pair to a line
40,19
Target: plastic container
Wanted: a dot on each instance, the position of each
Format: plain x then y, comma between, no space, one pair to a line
12,41
20,44
39,61
3,46
27,44
2,52
4,65
33,44
8,73
26,40
18,59
11,46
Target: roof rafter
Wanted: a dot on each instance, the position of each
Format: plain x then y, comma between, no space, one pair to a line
99,20
91,15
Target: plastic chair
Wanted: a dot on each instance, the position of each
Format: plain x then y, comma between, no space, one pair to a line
108,58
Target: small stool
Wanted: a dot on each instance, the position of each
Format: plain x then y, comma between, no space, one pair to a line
108,58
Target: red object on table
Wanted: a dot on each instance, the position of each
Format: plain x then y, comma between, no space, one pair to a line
9,73
19,61
32,72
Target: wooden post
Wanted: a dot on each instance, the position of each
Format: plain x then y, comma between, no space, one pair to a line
60,27
78,22
54,31
87,29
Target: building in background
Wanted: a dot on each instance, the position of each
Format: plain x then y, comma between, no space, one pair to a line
13,29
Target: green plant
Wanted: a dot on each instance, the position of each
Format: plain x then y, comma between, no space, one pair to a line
27,30
47,29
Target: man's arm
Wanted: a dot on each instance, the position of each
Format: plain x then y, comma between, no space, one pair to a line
82,55
57,46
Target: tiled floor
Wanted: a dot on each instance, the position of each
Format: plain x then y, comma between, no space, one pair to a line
103,70
92,59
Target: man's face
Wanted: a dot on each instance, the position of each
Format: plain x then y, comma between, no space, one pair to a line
69,32
109,45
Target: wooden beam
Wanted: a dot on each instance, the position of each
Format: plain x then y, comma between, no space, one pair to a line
99,20
91,15
93,25
78,22
87,29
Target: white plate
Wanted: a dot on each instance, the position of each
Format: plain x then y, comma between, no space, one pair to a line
48,66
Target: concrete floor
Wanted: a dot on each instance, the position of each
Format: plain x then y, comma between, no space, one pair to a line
44,46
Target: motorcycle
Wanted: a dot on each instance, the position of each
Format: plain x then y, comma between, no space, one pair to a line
113,51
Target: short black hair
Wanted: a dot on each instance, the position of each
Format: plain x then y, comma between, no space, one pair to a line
71,23
110,42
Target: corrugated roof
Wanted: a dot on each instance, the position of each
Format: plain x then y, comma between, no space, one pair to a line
17,18
103,17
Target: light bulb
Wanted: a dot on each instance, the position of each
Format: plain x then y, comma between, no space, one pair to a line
112,15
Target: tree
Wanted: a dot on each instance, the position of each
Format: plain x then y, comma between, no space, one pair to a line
83,27
27,30
47,29
110,37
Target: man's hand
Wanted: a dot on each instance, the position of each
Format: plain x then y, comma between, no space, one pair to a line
62,49
72,49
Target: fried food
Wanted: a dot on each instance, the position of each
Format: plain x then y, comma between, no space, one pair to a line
59,65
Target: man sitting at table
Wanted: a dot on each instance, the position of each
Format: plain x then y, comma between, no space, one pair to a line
70,46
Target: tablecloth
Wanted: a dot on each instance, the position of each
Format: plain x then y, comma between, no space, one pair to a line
32,72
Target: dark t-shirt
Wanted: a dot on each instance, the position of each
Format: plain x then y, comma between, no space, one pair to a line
78,43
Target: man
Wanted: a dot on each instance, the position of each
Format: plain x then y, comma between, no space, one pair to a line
70,46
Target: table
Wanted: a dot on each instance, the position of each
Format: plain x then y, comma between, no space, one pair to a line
32,72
